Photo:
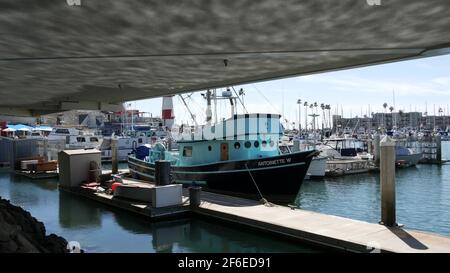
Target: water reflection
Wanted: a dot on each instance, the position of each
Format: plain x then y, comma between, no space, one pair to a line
199,235
75,212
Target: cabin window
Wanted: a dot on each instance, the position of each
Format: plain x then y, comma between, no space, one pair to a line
264,143
140,140
256,144
94,139
248,144
62,131
81,139
237,145
209,148
187,151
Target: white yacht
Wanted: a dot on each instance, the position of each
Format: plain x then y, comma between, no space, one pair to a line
125,144
75,138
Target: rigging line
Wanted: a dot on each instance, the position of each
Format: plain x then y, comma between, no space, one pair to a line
189,110
199,108
267,100
239,98
264,200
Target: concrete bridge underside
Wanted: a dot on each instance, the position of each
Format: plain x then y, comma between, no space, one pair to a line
56,57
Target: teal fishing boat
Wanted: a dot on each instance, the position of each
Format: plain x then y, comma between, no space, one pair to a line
239,156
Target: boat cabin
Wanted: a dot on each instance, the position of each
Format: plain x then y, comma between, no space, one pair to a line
242,137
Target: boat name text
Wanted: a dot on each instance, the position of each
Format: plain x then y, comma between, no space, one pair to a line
274,162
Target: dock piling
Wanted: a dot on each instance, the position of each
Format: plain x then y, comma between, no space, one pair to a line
296,146
114,156
45,149
162,172
194,196
376,149
437,140
387,180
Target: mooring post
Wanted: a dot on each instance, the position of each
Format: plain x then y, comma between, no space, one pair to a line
114,156
387,180
376,149
45,149
437,140
194,196
296,146
162,172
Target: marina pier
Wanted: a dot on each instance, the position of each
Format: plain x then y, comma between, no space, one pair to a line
327,231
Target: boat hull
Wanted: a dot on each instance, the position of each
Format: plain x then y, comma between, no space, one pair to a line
317,168
278,178
408,160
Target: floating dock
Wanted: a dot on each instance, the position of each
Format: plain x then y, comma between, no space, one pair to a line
320,229
328,231
141,208
37,175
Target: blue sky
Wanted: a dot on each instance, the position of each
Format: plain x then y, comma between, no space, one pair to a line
416,83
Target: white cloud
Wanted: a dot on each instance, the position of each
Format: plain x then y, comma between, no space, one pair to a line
442,81
438,86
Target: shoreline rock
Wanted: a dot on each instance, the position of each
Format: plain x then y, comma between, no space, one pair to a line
20,232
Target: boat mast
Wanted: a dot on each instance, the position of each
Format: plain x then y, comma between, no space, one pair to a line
232,106
215,105
208,106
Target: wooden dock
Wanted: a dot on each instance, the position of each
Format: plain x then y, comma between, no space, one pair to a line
144,209
37,175
296,224
320,229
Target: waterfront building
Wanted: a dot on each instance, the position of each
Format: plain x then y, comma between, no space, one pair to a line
412,120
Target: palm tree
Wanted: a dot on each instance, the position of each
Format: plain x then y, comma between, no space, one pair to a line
315,112
322,106
385,105
328,107
391,108
299,102
306,115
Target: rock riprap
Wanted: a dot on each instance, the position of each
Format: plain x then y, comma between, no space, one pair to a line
21,232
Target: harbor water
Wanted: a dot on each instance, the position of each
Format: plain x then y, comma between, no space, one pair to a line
422,196
99,228
423,203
